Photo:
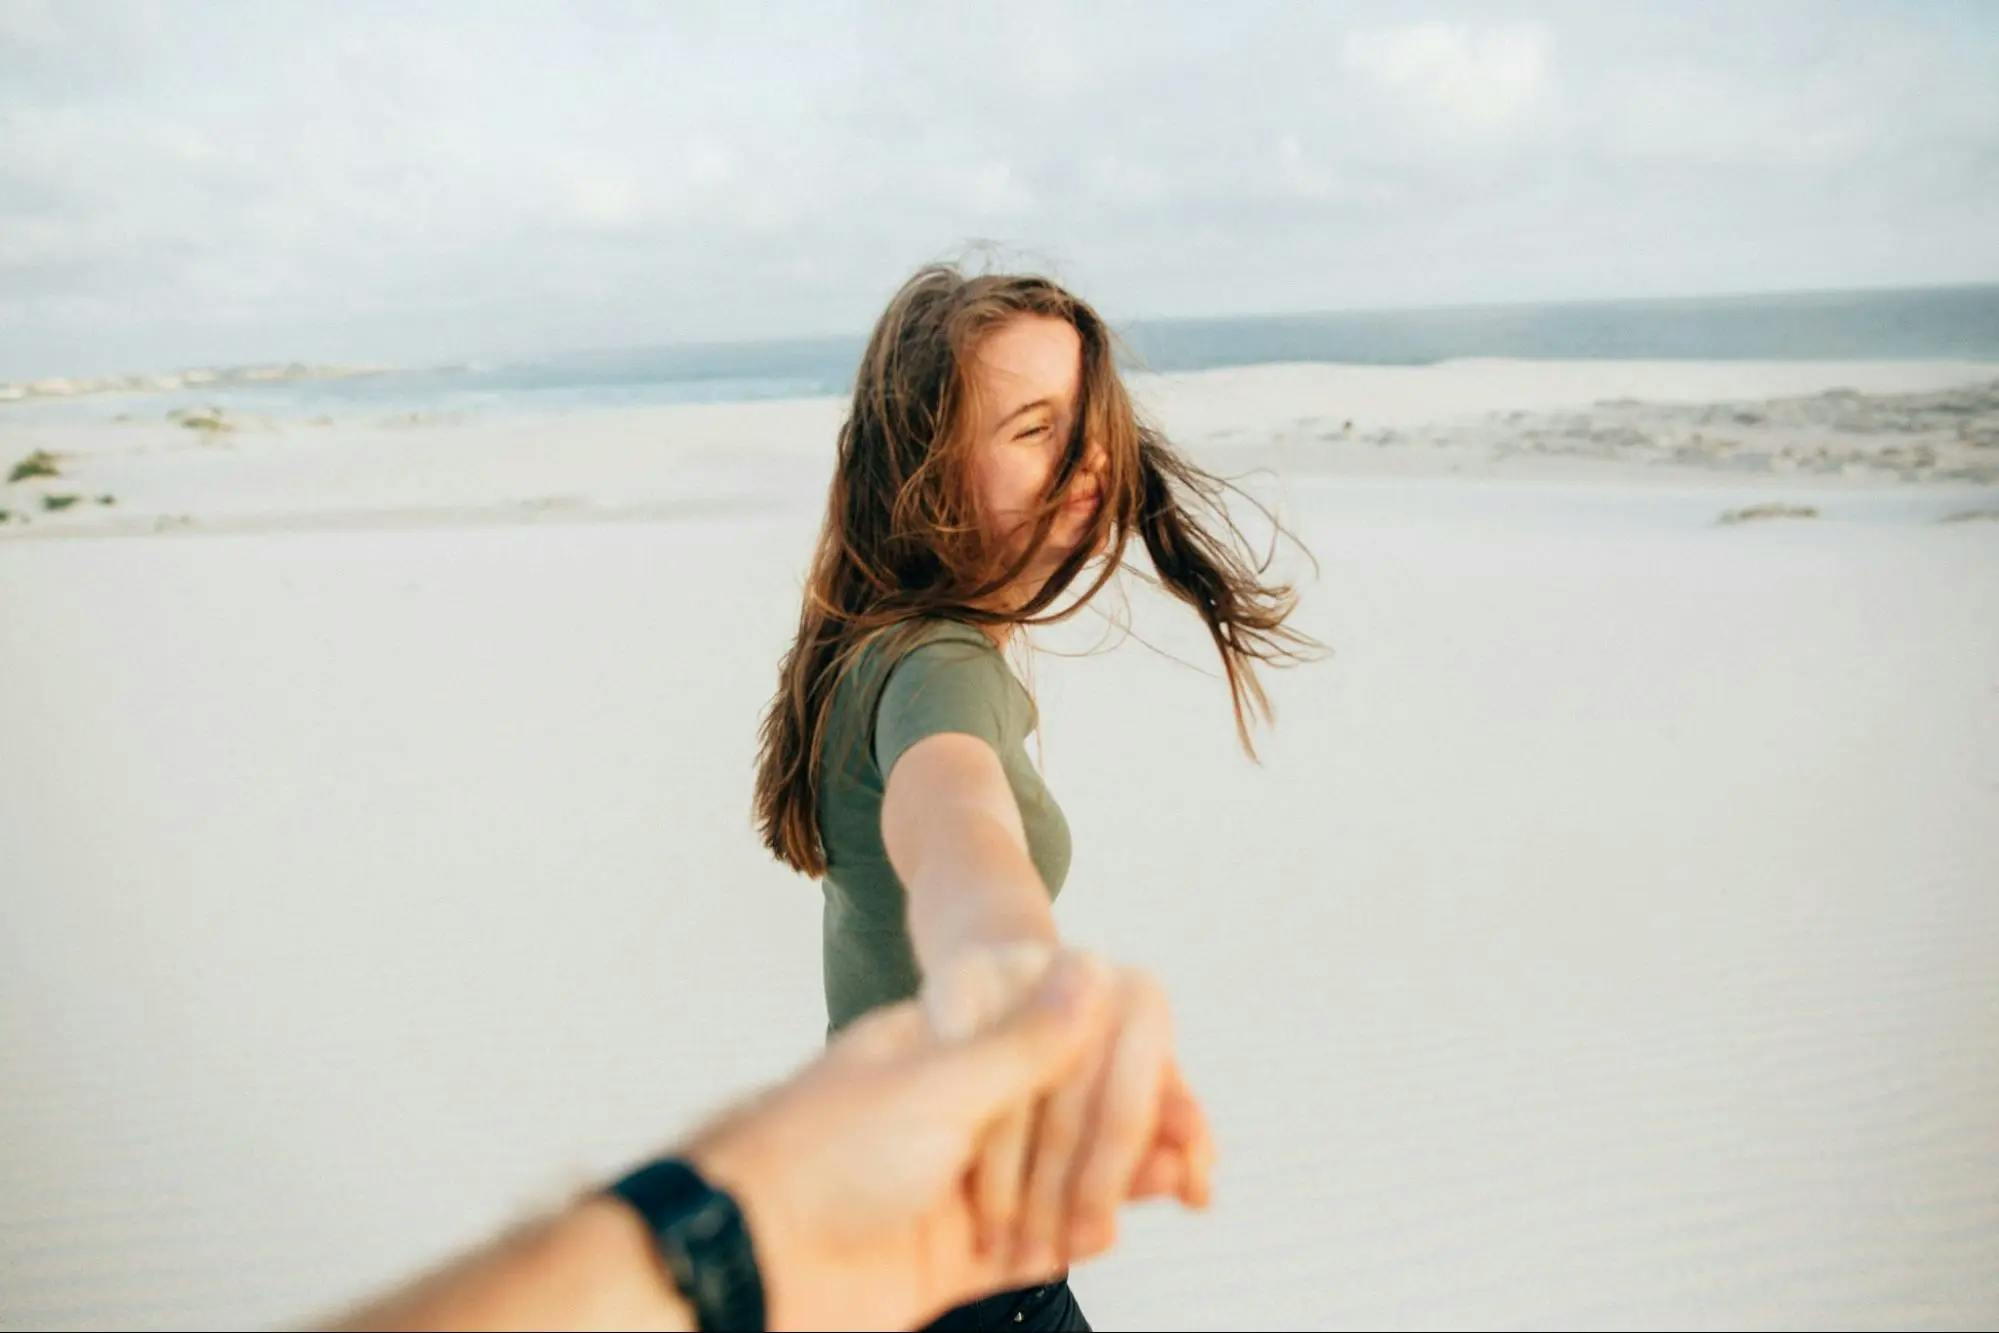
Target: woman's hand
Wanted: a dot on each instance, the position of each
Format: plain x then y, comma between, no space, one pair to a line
853,1175
960,1000
1123,1125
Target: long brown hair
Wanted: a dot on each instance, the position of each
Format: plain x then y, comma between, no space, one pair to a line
903,540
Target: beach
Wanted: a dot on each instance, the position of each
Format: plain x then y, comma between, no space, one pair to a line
1607,936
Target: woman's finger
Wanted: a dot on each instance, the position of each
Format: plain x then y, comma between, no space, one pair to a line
1012,970
1182,1153
1183,1126
1161,1174
1023,966
1058,1131
1033,1049
996,1179
1125,1116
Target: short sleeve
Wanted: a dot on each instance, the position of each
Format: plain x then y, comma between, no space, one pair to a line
948,685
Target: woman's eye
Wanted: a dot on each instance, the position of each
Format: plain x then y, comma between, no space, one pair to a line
1030,434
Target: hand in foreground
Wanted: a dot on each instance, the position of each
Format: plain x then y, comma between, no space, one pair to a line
1121,1125
854,1178
854,1175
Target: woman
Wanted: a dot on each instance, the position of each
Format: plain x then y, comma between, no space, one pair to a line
991,454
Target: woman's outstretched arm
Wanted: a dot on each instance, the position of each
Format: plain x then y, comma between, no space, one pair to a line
981,927
955,837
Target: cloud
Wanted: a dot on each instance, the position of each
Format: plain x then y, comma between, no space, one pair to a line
605,198
379,182
28,23
1461,79
990,188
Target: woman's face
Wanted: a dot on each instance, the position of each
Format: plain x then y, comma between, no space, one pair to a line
1028,376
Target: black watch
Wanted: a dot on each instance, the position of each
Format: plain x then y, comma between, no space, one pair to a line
704,1242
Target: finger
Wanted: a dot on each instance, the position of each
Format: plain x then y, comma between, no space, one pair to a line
1183,1126
892,1030
1125,1117
1162,1173
1171,1164
1180,1119
996,1180
1201,1153
1039,1235
960,1002
1026,1053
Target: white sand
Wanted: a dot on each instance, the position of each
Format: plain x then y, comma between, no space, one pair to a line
1609,937
1472,418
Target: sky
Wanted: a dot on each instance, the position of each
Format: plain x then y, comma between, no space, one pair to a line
222,182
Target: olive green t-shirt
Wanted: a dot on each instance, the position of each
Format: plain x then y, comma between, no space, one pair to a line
953,679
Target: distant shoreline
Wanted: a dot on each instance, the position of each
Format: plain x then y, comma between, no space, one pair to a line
200,377
1801,433
1959,322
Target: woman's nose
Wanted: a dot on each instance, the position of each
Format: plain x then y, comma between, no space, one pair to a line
1095,458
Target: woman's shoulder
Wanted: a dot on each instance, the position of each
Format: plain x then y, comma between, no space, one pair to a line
950,678
961,654
938,629
891,646
919,653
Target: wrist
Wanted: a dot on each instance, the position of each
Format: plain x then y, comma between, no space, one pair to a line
727,1159
980,980
606,1225
702,1245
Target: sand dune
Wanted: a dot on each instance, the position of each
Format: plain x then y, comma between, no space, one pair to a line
1608,937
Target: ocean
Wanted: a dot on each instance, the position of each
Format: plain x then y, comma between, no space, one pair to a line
1959,322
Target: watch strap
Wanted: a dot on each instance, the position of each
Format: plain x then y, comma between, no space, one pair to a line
704,1242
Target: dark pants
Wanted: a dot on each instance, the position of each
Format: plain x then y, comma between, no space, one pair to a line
1049,1309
